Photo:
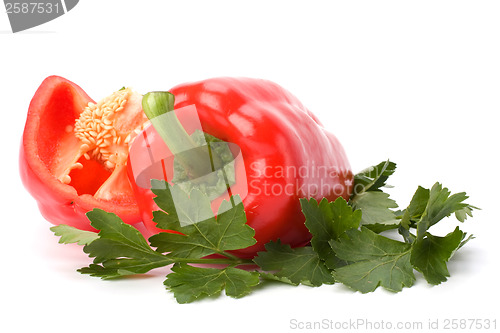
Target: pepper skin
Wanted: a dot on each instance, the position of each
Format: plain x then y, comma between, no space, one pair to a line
47,136
287,154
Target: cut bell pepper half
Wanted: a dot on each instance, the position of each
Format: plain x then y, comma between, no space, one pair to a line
74,152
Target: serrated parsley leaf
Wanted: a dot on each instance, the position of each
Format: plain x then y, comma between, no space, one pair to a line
326,221
228,231
319,221
440,205
189,283
298,265
416,207
373,178
189,208
120,249
373,260
375,207
70,235
114,230
465,212
369,198
165,201
429,255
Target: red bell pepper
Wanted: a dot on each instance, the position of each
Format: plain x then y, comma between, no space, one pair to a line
286,154
73,153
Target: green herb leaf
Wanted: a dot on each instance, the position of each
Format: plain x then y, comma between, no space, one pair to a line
429,255
298,265
272,277
120,249
465,212
375,207
73,235
373,178
373,260
465,241
165,201
416,207
189,283
326,221
191,209
439,206
208,236
369,198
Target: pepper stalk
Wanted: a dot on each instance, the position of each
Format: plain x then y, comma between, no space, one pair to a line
192,156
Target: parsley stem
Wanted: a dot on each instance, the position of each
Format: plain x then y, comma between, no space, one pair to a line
226,261
229,255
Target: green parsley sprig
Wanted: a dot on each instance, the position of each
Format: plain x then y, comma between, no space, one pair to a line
347,245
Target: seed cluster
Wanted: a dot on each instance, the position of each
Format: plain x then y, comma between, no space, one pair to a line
97,132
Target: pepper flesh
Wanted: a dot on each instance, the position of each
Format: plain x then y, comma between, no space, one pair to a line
73,153
287,154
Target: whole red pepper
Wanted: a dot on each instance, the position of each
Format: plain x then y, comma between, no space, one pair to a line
65,169
286,154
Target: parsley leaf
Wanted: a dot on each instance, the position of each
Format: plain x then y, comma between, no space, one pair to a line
165,201
371,200
373,260
120,249
326,221
375,207
189,283
70,235
416,207
183,209
440,205
373,178
429,255
210,235
297,265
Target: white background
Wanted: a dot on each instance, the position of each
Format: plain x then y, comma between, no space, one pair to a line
414,81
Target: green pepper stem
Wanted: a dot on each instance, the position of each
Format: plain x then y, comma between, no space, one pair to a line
194,159
157,104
